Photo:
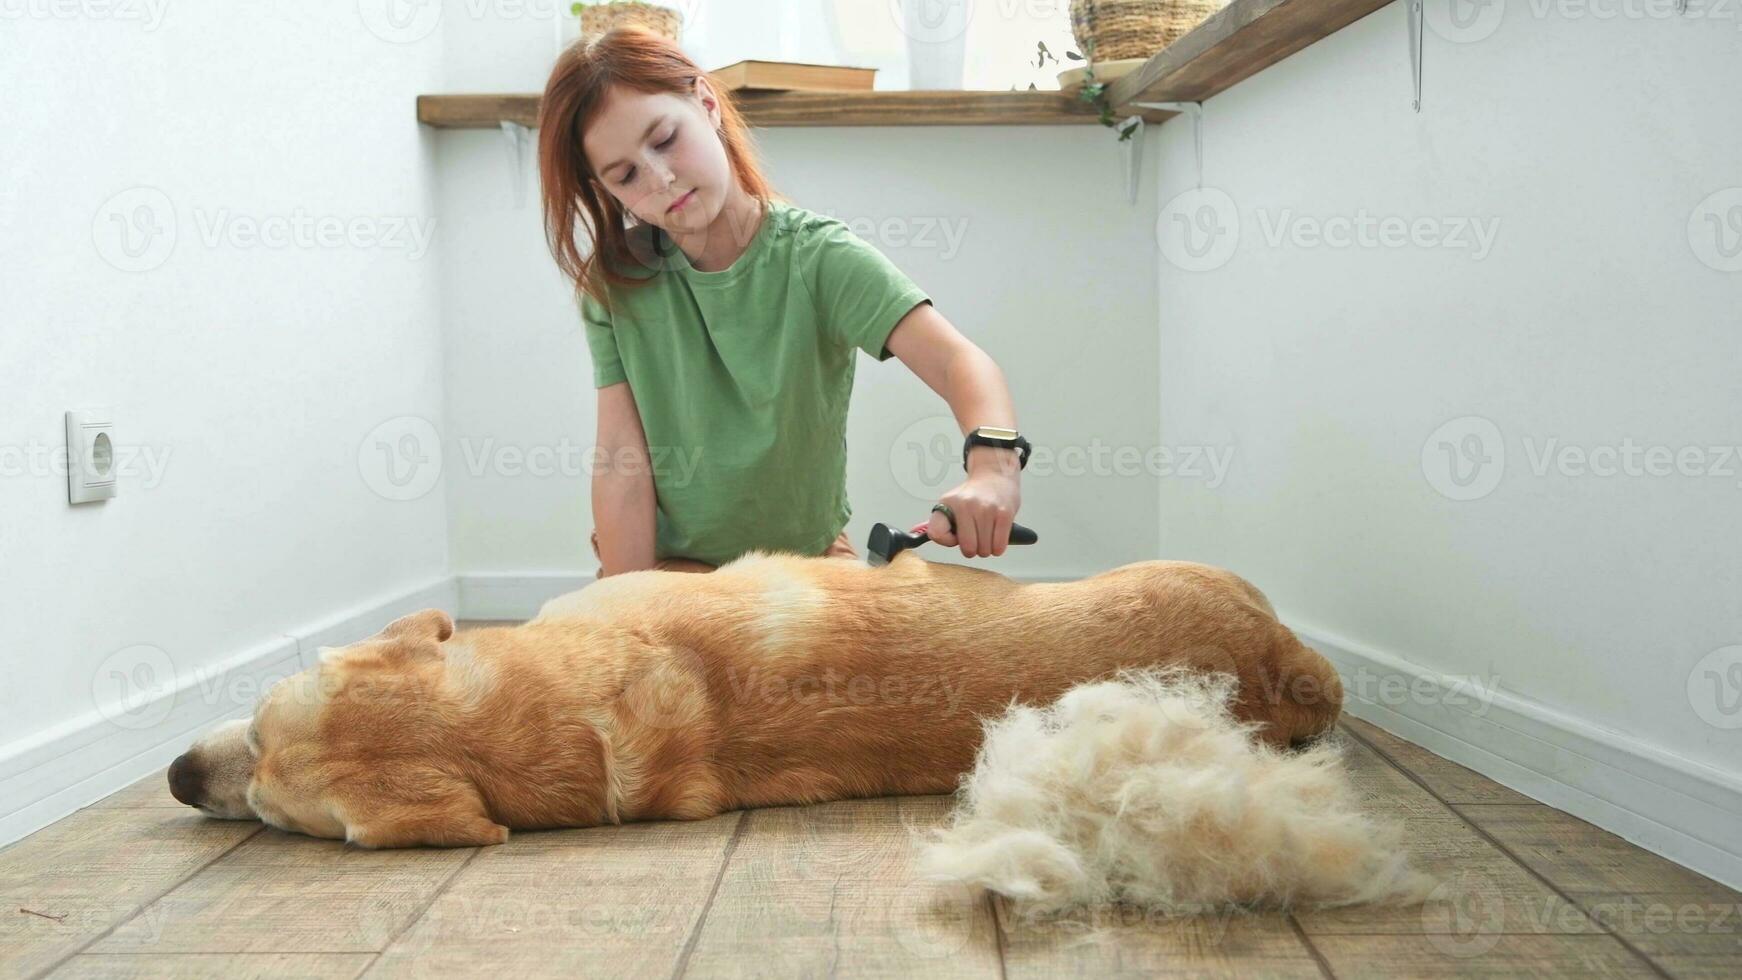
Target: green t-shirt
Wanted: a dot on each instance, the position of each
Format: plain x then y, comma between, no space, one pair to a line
742,378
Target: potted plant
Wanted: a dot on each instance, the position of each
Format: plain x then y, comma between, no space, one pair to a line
1089,86
1133,30
597,18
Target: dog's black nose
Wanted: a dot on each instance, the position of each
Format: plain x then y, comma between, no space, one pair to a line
186,780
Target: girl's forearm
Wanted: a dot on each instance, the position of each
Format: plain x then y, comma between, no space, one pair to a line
978,395
623,507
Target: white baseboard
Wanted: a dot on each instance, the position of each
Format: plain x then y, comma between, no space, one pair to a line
513,595
1686,811
48,775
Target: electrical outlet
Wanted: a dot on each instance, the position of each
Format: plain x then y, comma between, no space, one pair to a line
90,455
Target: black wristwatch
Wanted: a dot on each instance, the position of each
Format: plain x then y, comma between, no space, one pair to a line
991,435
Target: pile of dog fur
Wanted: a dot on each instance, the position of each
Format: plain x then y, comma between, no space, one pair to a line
1145,790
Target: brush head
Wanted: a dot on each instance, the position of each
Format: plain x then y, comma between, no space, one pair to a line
887,542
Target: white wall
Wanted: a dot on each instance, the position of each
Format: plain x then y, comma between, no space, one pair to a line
247,376
1594,604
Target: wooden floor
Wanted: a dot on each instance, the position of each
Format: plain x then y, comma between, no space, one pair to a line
139,885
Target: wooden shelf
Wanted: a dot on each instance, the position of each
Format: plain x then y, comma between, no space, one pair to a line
1240,40
1243,38
923,108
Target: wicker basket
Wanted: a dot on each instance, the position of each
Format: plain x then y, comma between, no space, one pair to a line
599,18
1111,30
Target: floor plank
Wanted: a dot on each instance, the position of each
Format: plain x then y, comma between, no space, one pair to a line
1579,857
285,893
1686,933
1489,955
94,869
1480,888
830,889
1383,788
1448,780
215,966
152,792
1127,941
599,902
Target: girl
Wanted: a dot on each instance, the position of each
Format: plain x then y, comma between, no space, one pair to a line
722,322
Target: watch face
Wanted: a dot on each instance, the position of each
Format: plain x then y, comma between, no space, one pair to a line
994,432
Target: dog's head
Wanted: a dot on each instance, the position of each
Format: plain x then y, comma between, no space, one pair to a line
350,748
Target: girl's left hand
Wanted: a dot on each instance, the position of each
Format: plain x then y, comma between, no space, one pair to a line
985,506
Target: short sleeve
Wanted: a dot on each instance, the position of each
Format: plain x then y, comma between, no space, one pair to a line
602,344
860,294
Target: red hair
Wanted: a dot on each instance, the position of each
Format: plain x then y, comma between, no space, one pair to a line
584,74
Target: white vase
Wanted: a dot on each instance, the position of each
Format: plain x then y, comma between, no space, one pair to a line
937,42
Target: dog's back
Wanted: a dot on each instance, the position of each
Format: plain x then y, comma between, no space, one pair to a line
833,679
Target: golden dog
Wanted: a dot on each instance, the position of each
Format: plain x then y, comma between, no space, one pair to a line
776,679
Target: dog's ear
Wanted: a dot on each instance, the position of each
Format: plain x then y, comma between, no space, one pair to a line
430,624
449,813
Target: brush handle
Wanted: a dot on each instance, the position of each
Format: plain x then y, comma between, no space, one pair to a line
1018,534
